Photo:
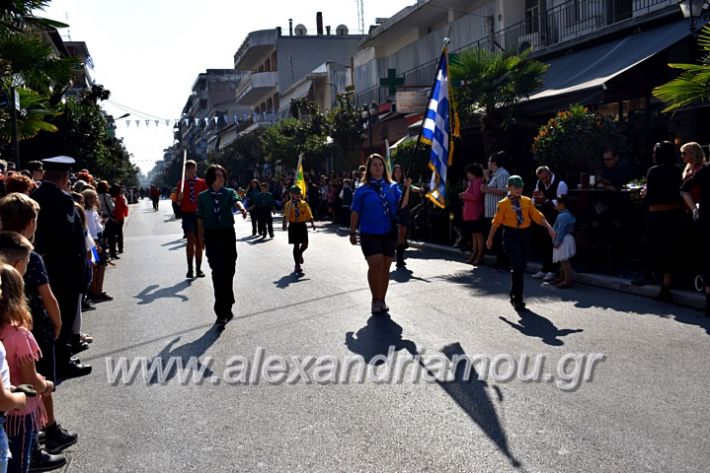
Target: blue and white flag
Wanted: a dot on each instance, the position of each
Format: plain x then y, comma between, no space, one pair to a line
439,127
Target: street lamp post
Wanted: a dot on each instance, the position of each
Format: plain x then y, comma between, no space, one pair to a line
370,117
694,9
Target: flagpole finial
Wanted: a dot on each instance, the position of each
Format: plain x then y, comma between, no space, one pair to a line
447,40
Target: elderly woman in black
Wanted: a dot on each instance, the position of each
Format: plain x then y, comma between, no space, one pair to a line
665,215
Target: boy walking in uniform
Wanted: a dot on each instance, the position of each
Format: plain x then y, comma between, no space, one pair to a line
187,200
264,203
515,214
296,213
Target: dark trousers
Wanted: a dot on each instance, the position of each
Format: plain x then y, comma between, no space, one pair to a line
68,299
517,248
266,220
254,220
501,259
221,249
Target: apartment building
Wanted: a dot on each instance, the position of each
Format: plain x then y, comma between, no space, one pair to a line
606,54
274,62
208,109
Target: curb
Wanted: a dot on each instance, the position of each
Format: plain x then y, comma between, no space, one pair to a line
681,297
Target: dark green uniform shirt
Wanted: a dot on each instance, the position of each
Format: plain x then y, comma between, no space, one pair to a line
216,208
264,200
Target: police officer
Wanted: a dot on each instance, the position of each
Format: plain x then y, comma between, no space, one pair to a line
61,241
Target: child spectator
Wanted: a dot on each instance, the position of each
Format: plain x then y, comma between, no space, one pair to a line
565,246
8,400
22,353
18,213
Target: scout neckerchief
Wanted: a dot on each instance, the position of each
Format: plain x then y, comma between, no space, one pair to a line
296,210
217,201
381,190
191,186
518,210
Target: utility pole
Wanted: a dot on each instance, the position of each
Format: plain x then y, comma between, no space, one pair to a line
14,100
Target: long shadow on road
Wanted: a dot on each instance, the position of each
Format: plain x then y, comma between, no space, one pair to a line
486,281
187,355
151,293
535,325
382,336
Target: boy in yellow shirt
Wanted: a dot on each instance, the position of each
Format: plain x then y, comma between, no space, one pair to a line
295,215
515,214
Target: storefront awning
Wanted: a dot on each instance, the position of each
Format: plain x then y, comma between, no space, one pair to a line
582,75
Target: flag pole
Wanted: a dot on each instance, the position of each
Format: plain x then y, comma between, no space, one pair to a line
184,164
426,107
417,145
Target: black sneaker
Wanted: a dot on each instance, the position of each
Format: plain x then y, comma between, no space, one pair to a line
43,461
200,274
74,370
86,306
58,439
189,274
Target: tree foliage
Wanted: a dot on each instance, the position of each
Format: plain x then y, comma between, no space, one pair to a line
693,84
574,140
492,83
346,125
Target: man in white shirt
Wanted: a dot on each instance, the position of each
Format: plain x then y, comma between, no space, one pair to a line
495,190
547,189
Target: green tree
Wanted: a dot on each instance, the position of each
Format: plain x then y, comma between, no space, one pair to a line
306,133
492,83
574,140
346,125
693,84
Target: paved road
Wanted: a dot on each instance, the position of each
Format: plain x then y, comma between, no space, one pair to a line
645,409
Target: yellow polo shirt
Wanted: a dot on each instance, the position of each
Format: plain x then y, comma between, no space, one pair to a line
304,211
506,216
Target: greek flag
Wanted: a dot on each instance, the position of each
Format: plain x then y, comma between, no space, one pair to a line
439,127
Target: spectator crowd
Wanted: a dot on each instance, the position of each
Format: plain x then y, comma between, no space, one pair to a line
59,233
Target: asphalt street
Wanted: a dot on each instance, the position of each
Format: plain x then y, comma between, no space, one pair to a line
645,408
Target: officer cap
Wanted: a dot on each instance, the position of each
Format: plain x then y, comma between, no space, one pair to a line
58,163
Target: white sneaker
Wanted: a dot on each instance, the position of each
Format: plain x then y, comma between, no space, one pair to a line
549,277
538,275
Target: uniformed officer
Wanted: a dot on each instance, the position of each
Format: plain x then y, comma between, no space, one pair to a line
61,241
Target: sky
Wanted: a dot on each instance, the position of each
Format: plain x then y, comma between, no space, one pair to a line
148,53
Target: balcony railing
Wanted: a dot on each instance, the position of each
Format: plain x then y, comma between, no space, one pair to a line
567,21
574,19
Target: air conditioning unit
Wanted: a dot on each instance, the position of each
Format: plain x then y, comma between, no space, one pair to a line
528,41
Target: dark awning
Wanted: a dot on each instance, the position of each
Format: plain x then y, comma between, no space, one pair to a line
582,76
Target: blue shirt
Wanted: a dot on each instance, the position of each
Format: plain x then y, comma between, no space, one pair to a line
564,225
368,203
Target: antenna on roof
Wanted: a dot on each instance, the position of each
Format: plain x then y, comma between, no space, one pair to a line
361,15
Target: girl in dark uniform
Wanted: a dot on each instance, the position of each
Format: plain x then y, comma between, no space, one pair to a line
404,184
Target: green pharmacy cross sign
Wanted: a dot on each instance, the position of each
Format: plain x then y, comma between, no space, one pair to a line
391,81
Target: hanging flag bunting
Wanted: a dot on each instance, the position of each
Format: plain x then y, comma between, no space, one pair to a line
138,123
147,122
128,123
167,122
157,122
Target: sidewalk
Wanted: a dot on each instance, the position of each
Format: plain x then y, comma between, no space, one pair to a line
682,297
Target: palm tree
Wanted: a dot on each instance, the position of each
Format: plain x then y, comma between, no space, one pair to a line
693,83
18,15
492,83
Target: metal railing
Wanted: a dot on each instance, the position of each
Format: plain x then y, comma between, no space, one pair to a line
567,21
